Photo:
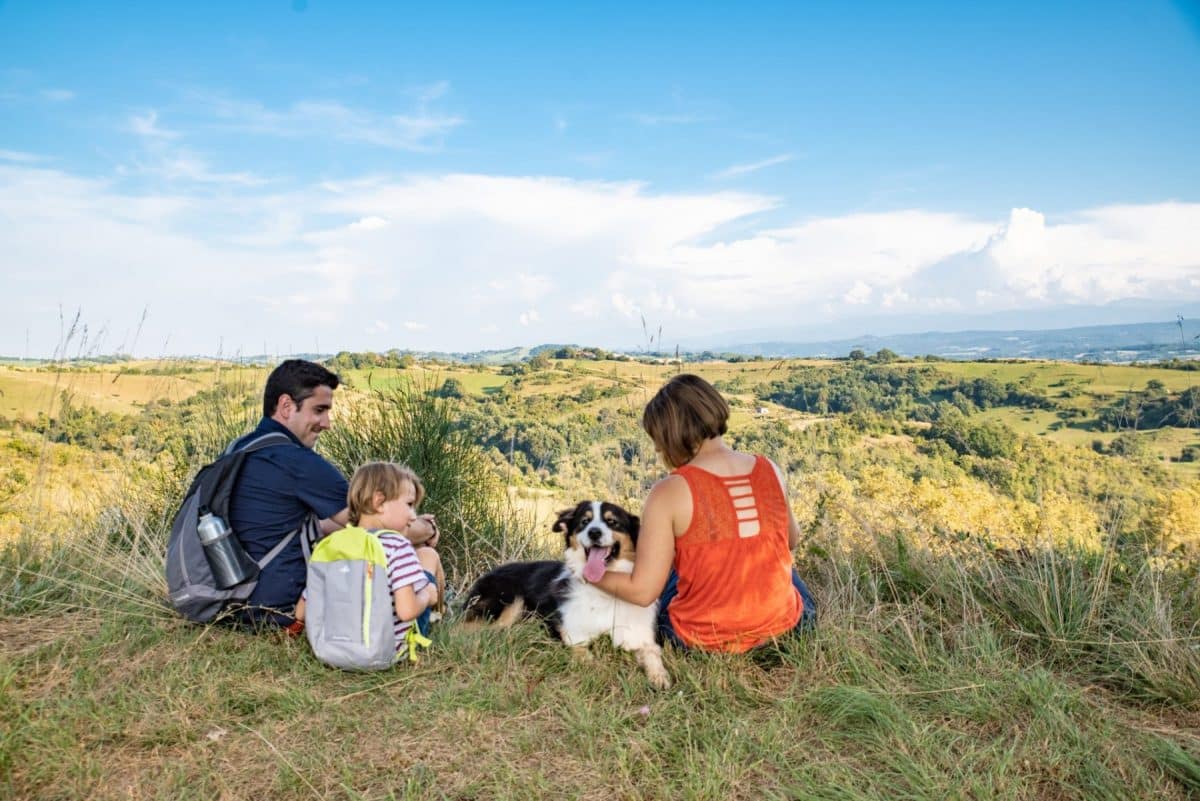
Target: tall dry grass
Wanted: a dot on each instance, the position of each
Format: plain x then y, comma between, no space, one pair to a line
413,424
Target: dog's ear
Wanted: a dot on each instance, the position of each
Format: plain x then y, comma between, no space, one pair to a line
566,518
635,526
563,523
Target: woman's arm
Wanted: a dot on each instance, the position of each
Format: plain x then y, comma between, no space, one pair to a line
655,546
422,530
793,526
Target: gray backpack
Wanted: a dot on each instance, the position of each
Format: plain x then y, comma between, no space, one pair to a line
190,584
348,617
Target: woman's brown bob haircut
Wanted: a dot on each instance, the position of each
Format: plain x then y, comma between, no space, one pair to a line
388,478
684,413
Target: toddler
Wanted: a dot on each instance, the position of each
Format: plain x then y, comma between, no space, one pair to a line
383,499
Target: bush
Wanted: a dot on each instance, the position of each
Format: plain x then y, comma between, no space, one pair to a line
452,388
409,424
1131,445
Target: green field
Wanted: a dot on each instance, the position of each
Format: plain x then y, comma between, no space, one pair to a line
1060,378
25,392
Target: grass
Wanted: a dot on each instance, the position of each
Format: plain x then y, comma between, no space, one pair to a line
1042,675
1057,377
1167,443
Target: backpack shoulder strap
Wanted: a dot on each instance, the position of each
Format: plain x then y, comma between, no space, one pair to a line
250,443
216,484
283,543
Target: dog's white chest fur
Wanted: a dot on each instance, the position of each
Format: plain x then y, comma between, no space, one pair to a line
588,612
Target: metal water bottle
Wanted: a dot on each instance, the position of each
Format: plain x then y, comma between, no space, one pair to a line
229,562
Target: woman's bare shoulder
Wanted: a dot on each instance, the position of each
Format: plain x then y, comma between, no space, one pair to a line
669,485
670,500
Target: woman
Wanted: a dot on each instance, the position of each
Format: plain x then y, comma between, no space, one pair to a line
717,534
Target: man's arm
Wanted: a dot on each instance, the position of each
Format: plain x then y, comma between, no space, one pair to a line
335,522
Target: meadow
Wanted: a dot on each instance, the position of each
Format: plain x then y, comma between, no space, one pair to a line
1007,608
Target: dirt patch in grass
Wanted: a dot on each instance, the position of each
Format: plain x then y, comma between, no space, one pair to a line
22,636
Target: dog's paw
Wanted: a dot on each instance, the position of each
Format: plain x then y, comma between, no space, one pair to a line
659,679
650,659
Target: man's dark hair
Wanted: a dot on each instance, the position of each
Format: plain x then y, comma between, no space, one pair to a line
298,379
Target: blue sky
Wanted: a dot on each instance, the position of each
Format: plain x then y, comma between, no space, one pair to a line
285,176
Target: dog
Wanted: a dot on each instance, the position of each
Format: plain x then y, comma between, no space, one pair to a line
598,536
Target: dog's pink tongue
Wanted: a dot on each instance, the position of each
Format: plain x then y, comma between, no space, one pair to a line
594,569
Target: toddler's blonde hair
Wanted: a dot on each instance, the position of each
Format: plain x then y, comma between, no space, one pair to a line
388,478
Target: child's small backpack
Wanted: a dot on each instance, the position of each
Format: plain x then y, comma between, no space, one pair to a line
190,583
348,612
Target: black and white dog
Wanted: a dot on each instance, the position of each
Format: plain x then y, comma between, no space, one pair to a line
598,536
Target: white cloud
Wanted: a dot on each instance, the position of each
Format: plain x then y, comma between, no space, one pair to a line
418,129
655,120
58,95
162,157
816,260
371,223
432,91
487,261
1095,256
895,297
77,243
858,294
532,288
1100,255
146,124
20,157
624,305
589,307
745,169
186,166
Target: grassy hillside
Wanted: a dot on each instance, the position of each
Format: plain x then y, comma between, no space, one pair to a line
1060,674
27,391
1005,612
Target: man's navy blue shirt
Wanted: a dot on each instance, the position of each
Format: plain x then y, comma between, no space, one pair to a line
276,490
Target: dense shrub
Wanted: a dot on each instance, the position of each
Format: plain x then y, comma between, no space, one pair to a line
412,425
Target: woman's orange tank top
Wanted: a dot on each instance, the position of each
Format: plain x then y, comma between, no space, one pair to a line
733,562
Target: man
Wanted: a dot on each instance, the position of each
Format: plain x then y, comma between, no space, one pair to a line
287,487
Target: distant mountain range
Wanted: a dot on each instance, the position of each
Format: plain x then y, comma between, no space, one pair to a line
1123,342
1126,342
1106,343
